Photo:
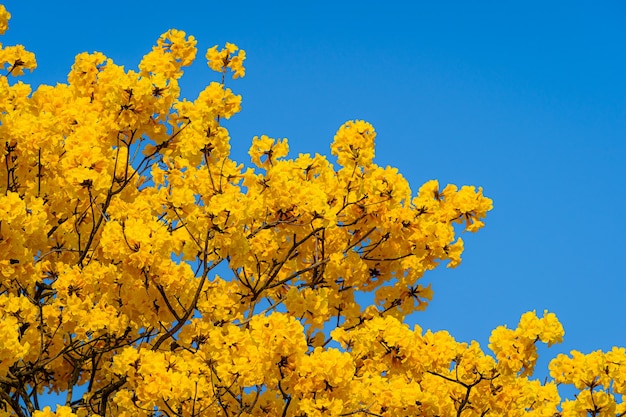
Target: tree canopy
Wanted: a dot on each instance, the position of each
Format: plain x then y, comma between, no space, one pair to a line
144,272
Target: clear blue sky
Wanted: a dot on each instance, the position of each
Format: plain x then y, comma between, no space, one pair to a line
526,99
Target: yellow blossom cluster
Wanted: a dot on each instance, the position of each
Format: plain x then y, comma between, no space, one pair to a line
14,59
600,377
144,272
226,59
516,350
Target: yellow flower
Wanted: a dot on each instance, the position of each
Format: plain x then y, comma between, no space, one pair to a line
221,60
265,150
4,19
15,59
354,144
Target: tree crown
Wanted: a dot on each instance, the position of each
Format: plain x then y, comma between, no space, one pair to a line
143,271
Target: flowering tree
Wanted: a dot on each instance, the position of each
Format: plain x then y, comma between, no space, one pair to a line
120,207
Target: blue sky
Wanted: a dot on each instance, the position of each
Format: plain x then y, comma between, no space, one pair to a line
526,99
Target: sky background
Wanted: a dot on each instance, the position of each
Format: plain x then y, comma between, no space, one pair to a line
526,99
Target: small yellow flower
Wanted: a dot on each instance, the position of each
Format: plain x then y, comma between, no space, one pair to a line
354,144
15,59
5,16
222,60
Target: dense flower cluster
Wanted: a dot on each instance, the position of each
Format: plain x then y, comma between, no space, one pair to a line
143,272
